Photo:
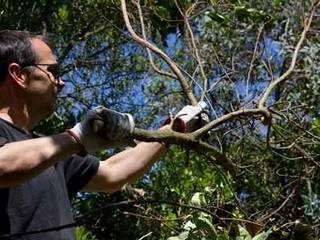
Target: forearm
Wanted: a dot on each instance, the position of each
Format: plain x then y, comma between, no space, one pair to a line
134,162
23,160
125,167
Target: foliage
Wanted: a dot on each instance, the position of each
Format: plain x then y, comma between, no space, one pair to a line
243,46
83,234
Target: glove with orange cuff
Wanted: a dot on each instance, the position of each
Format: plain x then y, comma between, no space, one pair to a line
101,128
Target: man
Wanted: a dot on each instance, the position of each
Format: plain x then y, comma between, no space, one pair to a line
38,176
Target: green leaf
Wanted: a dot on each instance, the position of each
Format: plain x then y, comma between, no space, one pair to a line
162,11
182,236
83,234
223,237
205,224
277,2
244,233
241,12
63,13
316,122
198,199
189,226
207,19
218,17
262,236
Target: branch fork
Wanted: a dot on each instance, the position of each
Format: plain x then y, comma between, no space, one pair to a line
193,140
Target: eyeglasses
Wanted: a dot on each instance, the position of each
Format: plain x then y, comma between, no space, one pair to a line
53,68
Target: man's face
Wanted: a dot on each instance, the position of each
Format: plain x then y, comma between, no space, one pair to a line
42,85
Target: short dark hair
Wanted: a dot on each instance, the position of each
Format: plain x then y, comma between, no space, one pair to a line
16,47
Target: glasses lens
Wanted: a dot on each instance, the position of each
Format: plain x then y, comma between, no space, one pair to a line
55,70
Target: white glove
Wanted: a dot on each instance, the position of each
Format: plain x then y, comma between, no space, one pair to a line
101,128
190,118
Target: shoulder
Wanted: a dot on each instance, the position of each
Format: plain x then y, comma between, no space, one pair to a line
12,133
3,141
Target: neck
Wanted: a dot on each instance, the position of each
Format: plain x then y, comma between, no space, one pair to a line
13,109
16,117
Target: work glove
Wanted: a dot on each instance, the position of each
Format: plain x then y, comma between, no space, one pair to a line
101,128
190,118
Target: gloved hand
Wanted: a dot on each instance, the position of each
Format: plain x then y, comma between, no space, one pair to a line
101,128
190,118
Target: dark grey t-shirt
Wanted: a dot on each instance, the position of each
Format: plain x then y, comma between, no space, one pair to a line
44,201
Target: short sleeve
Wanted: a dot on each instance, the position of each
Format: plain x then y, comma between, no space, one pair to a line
79,171
3,141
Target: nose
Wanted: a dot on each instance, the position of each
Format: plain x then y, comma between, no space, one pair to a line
59,83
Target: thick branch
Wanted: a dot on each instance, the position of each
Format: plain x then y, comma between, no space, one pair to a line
294,58
184,84
185,139
229,116
173,137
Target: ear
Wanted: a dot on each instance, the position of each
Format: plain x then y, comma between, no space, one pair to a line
17,75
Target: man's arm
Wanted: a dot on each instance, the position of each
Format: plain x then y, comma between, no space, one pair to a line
125,167
20,161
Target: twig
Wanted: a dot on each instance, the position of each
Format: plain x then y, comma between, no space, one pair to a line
194,46
253,57
145,236
265,217
294,58
164,73
241,220
184,84
154,218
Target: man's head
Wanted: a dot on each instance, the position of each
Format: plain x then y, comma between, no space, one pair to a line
29,68
15,47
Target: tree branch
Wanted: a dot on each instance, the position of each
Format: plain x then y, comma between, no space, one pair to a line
294,58
185,16
229,116
184,84
157,70
187,140
253,57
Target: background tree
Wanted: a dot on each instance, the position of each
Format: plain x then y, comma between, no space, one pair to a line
256,170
